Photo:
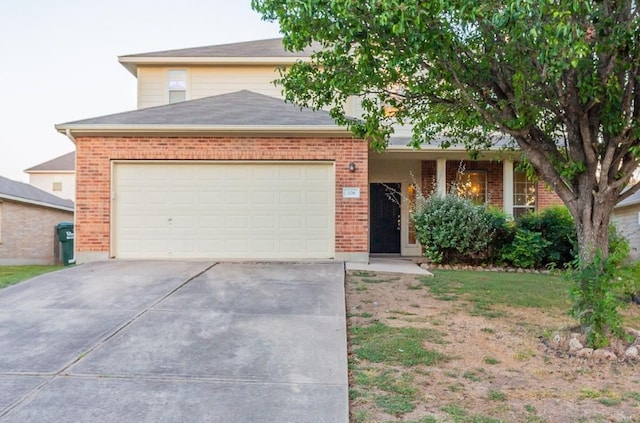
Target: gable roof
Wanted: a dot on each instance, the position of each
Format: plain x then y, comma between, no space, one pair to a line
64,163
25,193
630,201
272,47
269,51
237,112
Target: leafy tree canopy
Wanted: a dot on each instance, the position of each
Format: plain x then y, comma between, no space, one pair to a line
560,77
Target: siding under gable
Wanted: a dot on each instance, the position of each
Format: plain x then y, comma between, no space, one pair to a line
151,86
45,181
208,81
205,81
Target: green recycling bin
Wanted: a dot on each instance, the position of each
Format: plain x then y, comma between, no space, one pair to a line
66,236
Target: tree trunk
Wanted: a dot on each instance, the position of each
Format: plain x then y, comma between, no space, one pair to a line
592,218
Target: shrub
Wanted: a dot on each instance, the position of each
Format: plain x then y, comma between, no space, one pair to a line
629,279
528,249
595,304
618,246
452,229
556,226
504,230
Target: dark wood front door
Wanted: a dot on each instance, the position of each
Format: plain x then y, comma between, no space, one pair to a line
385,218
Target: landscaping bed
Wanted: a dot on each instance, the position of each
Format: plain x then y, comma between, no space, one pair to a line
469,346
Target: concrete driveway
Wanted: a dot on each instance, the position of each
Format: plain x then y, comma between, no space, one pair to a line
158,341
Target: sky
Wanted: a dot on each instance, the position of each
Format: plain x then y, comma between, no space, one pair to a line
59,61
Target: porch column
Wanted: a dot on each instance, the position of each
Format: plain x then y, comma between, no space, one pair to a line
507,186
441,177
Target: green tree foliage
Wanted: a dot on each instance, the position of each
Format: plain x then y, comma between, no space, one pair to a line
559,78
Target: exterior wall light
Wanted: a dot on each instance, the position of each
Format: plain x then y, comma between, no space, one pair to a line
352,167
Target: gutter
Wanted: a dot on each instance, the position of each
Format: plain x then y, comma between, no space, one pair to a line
72,131
36,203
131,63
70,136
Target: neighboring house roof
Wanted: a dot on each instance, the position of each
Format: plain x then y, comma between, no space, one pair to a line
65,163
238,112
270,51
631,201
25,193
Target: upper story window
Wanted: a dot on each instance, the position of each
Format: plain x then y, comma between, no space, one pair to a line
524,194
57,186
177,86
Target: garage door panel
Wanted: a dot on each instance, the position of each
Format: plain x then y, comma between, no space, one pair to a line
226,210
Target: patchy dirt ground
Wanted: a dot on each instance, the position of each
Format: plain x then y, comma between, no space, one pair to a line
502,368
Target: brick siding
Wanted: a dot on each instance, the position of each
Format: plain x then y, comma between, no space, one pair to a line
546,197
28,233
93,171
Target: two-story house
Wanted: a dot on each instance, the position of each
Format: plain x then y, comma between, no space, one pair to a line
56,176
215,164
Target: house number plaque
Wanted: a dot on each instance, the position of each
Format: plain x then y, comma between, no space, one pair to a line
351,192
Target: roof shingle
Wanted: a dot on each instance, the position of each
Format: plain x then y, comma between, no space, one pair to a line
17,191
260,48
64,163
241,108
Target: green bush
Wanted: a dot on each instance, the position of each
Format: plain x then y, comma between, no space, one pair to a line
504,231
629,279
595,304
452,229
618,247
556,226
528,249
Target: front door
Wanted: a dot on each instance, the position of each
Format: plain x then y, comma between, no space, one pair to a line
385,218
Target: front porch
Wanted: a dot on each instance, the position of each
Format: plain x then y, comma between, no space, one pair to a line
398,177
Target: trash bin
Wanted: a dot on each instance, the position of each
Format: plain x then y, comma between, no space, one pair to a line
66,236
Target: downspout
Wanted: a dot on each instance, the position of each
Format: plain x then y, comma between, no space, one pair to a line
75,215
70,136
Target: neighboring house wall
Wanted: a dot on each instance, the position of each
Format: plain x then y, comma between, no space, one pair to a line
205,81
627,222
50,182
27,233
94,155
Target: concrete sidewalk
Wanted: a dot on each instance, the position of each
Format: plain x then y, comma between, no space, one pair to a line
389,265
176,341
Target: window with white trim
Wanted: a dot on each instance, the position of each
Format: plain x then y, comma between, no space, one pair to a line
177,85
525,194
57,186
472,184
411,190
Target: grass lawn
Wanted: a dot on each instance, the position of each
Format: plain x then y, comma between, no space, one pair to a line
10,275
467,347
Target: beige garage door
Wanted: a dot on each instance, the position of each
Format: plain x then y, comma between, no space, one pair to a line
255,210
